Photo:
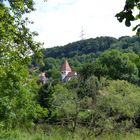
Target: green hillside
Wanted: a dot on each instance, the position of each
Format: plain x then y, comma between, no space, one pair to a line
99,44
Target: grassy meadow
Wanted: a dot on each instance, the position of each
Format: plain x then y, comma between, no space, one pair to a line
52,133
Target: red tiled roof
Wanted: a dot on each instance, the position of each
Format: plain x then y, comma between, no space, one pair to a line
71,74
66,66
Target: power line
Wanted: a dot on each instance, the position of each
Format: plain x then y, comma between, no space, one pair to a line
82,34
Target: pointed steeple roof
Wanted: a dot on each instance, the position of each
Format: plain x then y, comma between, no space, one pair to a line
66,66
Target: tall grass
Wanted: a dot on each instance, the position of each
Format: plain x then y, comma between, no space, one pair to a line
57,133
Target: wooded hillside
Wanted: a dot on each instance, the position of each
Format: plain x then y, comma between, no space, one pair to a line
99,44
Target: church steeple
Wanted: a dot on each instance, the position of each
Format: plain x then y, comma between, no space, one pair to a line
66,72
65,69
66,66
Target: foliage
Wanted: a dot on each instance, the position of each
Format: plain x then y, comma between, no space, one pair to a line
116,109
17,97
84,53
63,102
18,89
87,70
87,50
99,104
105,106
117,106
90,101
130,13
92,86
117,65
113,64
80,47
45,97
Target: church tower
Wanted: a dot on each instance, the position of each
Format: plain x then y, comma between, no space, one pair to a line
65,70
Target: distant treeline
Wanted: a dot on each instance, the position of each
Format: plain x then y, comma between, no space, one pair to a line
97,45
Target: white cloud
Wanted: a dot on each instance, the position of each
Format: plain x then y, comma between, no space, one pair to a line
59,22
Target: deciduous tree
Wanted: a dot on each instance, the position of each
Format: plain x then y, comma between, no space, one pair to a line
130,13
17,87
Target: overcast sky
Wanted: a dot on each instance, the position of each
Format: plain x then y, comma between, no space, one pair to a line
60,22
